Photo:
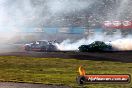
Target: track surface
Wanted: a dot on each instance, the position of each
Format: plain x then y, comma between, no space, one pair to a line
18,50
97,56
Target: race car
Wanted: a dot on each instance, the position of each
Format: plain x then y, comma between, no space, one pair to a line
41,45
95,46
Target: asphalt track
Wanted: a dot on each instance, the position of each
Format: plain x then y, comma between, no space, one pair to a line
18,50
123,56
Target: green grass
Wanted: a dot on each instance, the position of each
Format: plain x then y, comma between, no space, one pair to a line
58,71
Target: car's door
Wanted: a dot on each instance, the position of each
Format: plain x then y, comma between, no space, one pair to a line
36,46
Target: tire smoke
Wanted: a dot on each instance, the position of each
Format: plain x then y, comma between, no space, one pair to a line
118,42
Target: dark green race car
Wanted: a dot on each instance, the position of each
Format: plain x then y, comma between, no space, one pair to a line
95,46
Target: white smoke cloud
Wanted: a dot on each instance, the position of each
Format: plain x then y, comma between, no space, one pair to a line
118,42
68,6
16,15
122,44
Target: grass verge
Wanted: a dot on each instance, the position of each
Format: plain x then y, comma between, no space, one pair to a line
58,71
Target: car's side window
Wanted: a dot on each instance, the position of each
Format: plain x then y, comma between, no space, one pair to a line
37,42
44,43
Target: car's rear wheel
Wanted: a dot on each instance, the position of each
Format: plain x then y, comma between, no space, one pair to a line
52,48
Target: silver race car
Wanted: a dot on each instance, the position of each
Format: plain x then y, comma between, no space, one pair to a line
41,45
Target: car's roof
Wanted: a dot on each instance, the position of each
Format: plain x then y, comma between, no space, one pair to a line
42,40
